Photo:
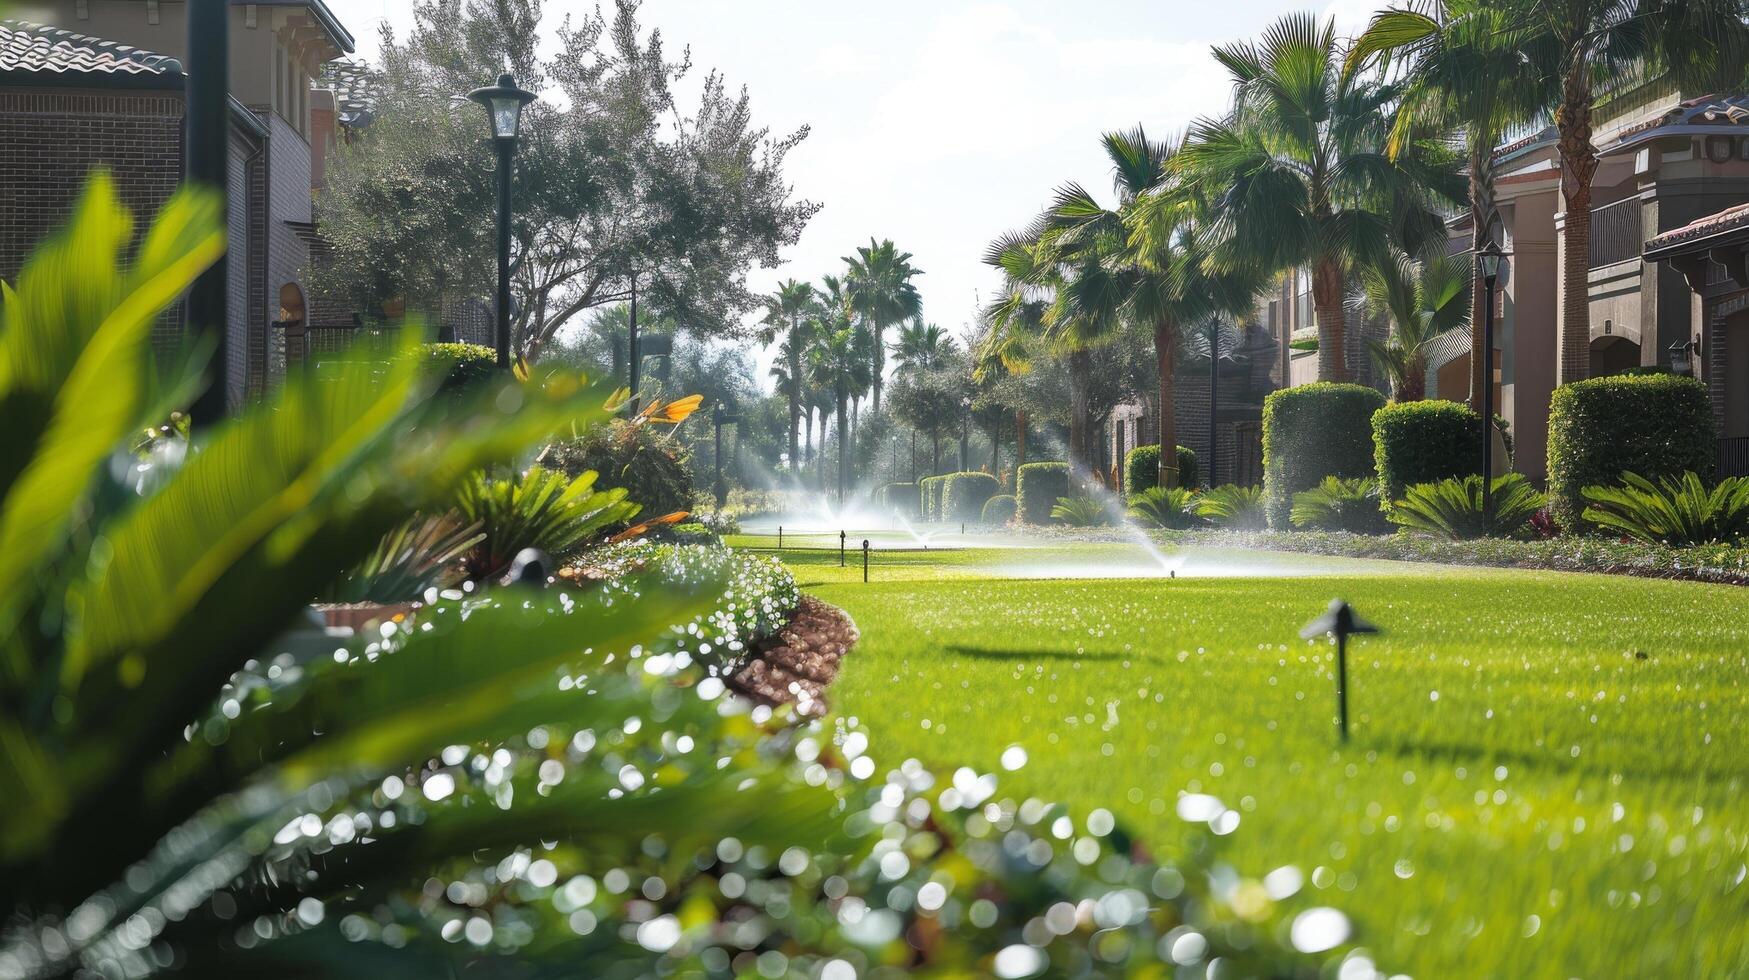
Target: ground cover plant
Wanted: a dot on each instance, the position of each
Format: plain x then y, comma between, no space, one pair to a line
1674,511
1544,779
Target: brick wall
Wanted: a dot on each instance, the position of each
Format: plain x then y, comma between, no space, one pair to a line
52,139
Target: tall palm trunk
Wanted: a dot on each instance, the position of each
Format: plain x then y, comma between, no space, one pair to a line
879,360
1080,410
935,451
1481,230
1019,444
1164,332
843,445
1414,385
1578,168
795,397
996,449
1332,322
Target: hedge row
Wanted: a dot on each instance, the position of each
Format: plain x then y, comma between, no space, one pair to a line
1037,487
1141,469
1657,426
931,490
1424,442
999,510
965,496
1311,432
899,499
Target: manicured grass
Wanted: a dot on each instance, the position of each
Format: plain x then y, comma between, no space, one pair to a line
1546,776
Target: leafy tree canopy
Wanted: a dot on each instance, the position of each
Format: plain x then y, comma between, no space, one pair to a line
614,180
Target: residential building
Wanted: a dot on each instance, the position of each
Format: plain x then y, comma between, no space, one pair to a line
1667,160
98,84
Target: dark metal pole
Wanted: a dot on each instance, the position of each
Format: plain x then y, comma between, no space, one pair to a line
841,537
506,161
206,165
1342,685
632,346
1488,403
717,417
1214,398
865,560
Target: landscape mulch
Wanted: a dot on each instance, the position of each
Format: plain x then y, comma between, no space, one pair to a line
796,664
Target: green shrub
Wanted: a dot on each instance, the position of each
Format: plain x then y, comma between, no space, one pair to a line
1080,512
1678,512
1657,426
1037,487
965,494
1172,509
999,510
1453,508
420,553
1340,505
1233,507
1141,469
931,491
649,465
1424,442
540,508
691,532
1311,432
459,365
900,499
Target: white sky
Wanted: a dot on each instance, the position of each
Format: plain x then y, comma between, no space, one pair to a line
941,123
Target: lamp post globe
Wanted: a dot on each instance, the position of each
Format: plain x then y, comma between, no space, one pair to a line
504,103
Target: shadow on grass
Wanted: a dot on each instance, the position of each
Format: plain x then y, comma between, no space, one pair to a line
1554,762
1027,656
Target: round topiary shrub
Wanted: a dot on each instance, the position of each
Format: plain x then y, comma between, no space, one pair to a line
965,495
999,510
1038,486
458,365
1311,432
1141,469
898,498
649,465
1424,442
1657,426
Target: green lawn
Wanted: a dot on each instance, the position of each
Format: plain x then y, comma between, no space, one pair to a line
1546,776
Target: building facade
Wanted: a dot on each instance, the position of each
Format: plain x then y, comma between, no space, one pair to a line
88,85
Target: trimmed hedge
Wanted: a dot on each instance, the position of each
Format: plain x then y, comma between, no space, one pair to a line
1038,485
459,365
1656,426
1141,469
965,494
1424,442
899,498
1311,432
999,510
932,490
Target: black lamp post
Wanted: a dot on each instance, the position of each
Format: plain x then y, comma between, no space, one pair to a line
1493,265
720,418
504,103
207,164
1214,400
965,432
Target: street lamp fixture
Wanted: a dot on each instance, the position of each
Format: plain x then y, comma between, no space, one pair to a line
504,103
1682,356
1494,266
965,433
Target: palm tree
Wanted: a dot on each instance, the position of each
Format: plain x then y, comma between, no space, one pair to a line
1298,174
1160,261
839,360
1462,70
879,288
787,313
1423,300
1067,290
922,346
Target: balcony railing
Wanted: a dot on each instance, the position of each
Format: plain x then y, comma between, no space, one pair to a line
1615,233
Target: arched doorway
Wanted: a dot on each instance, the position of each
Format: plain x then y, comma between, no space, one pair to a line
1613,355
